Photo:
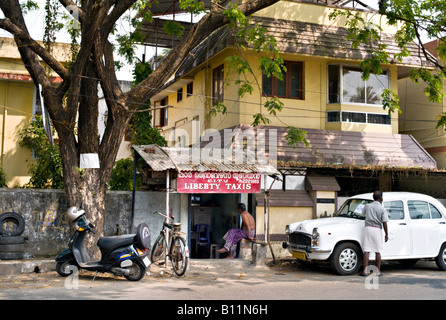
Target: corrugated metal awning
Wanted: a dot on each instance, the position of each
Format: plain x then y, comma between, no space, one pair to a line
323,183
202,159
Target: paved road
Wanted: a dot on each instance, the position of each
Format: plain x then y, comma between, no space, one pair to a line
218,280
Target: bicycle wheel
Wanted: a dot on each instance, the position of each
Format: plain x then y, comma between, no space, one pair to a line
159,249
179,256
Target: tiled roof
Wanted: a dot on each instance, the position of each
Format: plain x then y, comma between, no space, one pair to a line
336,148
300,38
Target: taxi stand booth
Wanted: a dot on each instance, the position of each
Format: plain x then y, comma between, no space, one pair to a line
216,180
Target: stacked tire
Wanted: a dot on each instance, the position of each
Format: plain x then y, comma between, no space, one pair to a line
12,243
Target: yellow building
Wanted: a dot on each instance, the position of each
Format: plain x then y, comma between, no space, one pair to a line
354,145
419,114
18,103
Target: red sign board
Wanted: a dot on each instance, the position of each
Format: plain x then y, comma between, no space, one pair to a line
218,182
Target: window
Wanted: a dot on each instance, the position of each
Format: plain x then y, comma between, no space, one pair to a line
160,115
291,85
418,209
346,86
378,118
218,84
354,117
358,117
434,212
180,95
395,209
190,89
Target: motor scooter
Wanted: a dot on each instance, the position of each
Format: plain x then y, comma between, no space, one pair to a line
125,255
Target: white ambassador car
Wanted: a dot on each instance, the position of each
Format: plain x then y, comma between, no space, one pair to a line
417,230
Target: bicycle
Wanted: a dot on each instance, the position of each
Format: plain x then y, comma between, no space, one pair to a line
177,252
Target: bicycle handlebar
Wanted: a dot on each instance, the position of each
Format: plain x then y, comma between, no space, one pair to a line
163,215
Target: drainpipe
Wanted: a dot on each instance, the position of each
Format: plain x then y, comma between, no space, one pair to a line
3,131
266,207
133,190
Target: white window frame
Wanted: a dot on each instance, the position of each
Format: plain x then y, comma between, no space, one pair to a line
341,85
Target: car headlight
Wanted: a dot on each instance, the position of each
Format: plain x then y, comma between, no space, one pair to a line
315,237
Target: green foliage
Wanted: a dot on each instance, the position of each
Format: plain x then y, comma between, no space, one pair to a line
143,132
296,136
193,6
173,28
274,105
46,168
28,6
3,182
122,176
390,101
217,108
52,22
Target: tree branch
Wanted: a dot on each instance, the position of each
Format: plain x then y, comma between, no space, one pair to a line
208,24
120,8
7,25
80,13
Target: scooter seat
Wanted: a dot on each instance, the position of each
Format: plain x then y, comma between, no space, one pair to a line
110,243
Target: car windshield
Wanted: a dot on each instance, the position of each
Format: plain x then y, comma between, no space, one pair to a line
352,208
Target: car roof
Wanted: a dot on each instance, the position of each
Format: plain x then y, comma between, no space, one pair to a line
397,195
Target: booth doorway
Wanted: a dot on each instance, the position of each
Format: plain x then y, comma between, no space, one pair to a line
210,217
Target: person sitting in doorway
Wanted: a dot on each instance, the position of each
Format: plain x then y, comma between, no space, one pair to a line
235,235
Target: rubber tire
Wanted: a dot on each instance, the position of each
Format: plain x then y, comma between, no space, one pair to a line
356,258
440,260
179,270
61,267
12,247
139,270
155,255
12,240
18,220
11,255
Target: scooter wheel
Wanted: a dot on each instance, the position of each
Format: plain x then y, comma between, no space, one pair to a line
137,271
65,268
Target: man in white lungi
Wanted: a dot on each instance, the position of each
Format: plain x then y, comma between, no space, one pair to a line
376,218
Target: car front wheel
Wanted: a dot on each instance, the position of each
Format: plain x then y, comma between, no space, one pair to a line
440,260
346,259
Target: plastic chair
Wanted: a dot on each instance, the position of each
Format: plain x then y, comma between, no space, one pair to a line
203,233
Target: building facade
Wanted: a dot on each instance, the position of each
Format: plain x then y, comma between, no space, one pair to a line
354,145
19,101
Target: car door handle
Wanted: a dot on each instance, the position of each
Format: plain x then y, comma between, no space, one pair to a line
442,222
402,224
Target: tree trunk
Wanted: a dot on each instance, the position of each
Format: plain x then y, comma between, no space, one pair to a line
80,87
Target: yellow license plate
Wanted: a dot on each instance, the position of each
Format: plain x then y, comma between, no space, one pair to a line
299,255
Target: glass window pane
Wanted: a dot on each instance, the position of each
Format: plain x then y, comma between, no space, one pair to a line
267,85
394,209
353,85
333,116
418,210
354,117
333,84
434,212
375,85
281,85
295,81
378,118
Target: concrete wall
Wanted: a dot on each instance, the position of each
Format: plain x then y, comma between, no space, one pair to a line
48,230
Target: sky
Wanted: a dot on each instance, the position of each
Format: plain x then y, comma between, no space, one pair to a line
36,26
